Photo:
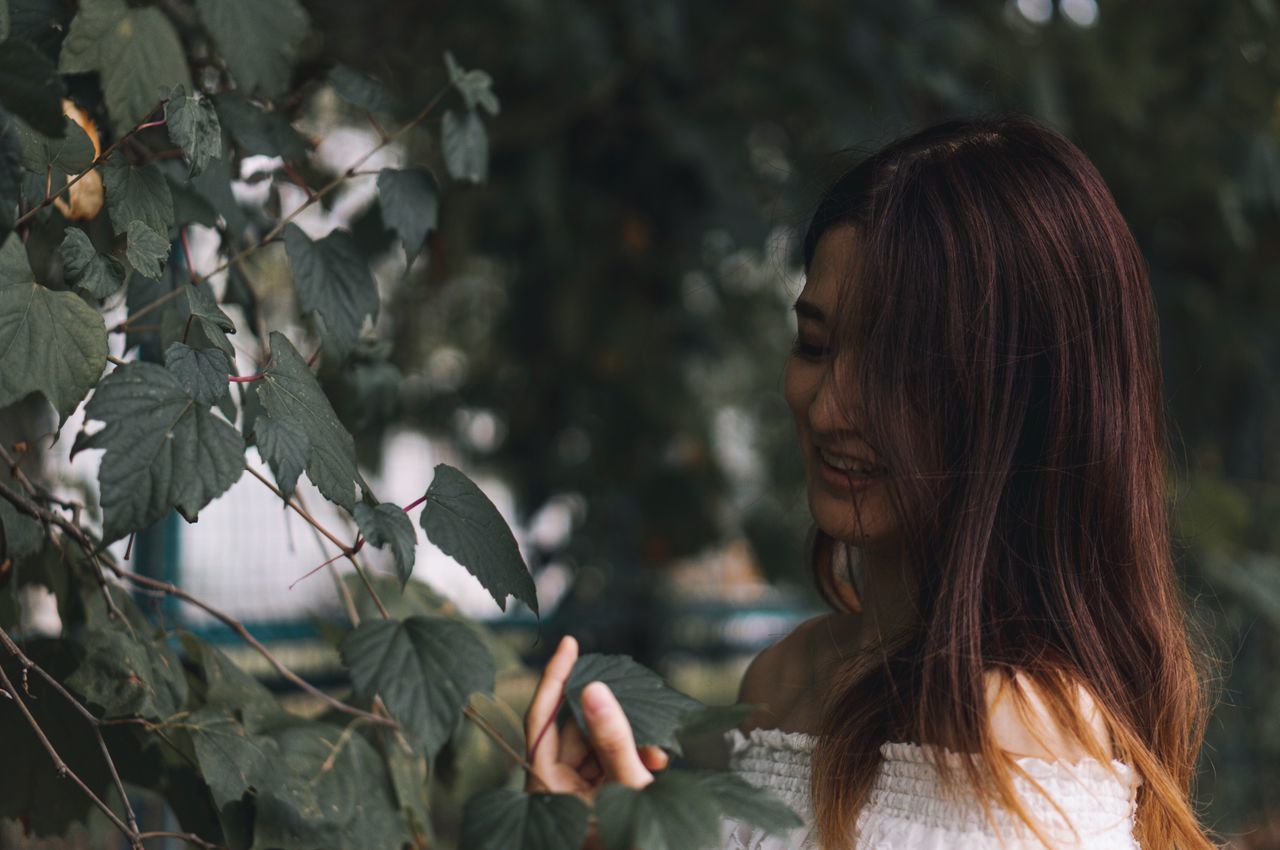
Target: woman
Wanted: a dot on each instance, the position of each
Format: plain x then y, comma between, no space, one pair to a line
977,395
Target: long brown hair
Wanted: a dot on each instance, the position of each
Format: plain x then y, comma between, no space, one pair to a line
1007,371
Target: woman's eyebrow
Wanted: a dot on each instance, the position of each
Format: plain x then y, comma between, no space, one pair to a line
808,310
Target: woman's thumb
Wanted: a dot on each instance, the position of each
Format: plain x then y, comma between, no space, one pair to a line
611,737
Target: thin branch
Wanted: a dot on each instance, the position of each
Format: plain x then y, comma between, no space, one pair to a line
58,763
111,358
89,717
274,232
347,551
98,160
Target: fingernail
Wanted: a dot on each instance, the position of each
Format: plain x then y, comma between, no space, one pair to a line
594,698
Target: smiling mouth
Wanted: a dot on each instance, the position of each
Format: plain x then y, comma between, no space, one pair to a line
846,464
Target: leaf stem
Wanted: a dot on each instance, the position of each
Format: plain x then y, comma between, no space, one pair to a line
98,160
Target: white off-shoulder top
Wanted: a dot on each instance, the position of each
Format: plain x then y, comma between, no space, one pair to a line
909,809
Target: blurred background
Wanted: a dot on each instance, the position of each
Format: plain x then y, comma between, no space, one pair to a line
597,333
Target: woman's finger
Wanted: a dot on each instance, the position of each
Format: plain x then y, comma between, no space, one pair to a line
610,735
540,718
573,745
654,758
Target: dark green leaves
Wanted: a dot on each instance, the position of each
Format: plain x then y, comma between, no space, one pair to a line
460,519
654,709
284,445
361,90
466,146
680,810
146,250
333,793
386,525
333,281
203,371
193,126
410,205
288,389
96,274
50,342
257,38
425,668
163,449
503,818
20,535
129,674
69,154
136,53
137,194
258,131
30,86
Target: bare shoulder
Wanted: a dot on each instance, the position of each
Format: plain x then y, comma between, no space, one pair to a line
1024,724
779,677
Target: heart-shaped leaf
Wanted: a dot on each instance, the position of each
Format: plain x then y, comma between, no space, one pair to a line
385,525
503,818
288,389
163,449
654,709
461,520
424,667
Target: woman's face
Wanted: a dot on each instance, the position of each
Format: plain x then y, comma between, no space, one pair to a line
820,423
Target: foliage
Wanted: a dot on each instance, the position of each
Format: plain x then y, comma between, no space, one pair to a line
117,704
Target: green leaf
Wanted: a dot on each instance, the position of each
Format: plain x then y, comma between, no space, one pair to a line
333,281
146,250
136,52
257,38
466,146
410,205
476,87
681,809
10,174
258,131
361,90
709,719
288,388
137,194
163,449
14,265
654,709
20,535
214,185
129,674
193,126
189,205
70,154
202,371
333,793
386,525
425,668
227,685
466,526
503,818
232,759
50,342
283,444
97,275
30,87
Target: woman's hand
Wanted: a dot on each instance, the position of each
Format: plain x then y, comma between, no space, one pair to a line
567,761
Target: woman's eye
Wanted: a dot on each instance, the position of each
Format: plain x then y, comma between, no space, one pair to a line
804,349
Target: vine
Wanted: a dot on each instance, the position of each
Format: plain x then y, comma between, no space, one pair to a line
119,706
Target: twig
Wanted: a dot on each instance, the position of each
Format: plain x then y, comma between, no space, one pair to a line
59,764
98,160
111,358
89,717
347,551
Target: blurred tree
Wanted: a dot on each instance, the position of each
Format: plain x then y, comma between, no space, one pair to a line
611,305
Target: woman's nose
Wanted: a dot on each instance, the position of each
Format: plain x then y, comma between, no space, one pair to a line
828,411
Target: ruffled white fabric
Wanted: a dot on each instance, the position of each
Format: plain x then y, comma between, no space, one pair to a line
910,809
